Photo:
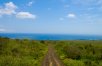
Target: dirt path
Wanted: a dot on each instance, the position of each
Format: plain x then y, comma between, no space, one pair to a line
51,59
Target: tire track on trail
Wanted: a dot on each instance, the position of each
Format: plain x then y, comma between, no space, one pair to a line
51,59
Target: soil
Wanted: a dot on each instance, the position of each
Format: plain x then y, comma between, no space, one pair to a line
51,59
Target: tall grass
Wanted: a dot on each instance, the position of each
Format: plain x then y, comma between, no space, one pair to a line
80,53
15,52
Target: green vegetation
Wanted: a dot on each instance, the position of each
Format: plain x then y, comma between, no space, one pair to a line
24,52
80,53
17,52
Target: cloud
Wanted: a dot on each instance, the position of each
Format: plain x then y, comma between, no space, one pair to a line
8,9
30,3
24,15
2,30
10,5
71,15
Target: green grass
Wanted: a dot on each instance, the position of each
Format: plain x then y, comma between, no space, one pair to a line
80,53
24,52
15,52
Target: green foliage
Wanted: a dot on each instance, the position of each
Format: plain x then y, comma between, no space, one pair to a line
16,52
80,53
25,52
71,62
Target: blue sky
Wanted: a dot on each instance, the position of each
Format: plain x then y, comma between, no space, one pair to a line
51,16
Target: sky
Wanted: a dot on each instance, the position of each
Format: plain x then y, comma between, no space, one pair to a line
51,16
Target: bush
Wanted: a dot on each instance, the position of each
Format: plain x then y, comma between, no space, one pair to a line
74,53
18,52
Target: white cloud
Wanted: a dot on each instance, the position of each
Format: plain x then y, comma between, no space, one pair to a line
2,30
24,15
9,9
7,12
71,15
30,3
10,5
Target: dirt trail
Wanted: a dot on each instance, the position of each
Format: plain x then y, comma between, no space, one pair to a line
51,59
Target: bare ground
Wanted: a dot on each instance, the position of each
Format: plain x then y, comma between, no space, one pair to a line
51,59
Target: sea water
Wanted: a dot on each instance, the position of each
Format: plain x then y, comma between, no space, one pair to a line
50,36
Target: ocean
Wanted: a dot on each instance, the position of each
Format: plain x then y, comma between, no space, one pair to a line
50,36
